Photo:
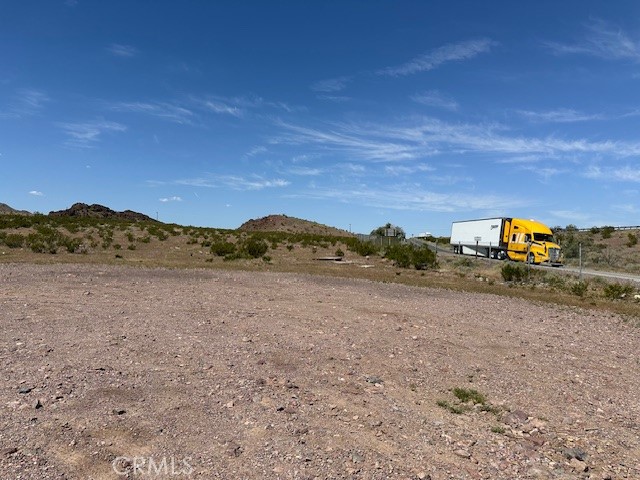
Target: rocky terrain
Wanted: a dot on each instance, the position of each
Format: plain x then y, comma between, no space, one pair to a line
100,211
284,223
121,372
7,210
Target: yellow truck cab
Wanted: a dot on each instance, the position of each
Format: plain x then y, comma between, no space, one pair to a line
530,241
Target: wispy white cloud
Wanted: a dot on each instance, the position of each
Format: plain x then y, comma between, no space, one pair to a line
340,138
166,111
235,182
433,98
239,106
120,50
26,102
603,40
453,52
621,173
85,135
221,107
36,193
305,171
170,199
412,197
397,170
561,115
331,85
335,98
258,150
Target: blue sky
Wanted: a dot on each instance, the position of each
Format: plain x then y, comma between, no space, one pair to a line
348,113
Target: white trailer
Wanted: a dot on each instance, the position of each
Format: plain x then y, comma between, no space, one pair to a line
479,237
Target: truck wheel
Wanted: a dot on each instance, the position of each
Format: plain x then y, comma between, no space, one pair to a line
532,259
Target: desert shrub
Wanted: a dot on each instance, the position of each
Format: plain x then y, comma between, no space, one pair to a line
607,231
131,246
405,255
469,395
556,281
580,288
513,272
339,253
222,249
614,291
400,254
361,248
14,240
423,258
632,239
254,247
289,247
117,246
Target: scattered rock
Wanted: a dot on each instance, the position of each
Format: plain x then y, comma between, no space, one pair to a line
575,452
578,465
9,451
515,418
374,379
25,390
462,453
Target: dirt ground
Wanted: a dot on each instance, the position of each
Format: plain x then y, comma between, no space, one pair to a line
117,372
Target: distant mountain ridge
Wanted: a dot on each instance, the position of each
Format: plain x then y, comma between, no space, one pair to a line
100,211
7,210
284,223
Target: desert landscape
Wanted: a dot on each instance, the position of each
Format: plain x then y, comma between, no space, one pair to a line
127,372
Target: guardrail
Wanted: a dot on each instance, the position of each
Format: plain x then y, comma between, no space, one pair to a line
634,227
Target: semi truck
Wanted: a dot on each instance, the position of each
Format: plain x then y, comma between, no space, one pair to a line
506,238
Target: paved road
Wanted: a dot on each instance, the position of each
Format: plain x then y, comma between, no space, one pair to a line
444,250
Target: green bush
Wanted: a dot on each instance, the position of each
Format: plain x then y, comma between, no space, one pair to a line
14,240
615,291
339,253
222,249
400,254
631,239
513,273
580,288
607,231
361,248
254,247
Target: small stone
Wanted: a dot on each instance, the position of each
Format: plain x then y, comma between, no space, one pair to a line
9,451
578,465
374,379
38,404
24,391
229,404
515,418
462,453
118,411
575,452
423,476
357,458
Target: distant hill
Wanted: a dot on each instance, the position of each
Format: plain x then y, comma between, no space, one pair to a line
283,223
100,211
7,210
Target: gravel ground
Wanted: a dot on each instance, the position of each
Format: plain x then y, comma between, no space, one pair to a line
112,372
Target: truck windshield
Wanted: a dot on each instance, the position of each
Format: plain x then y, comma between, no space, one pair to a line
543,237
